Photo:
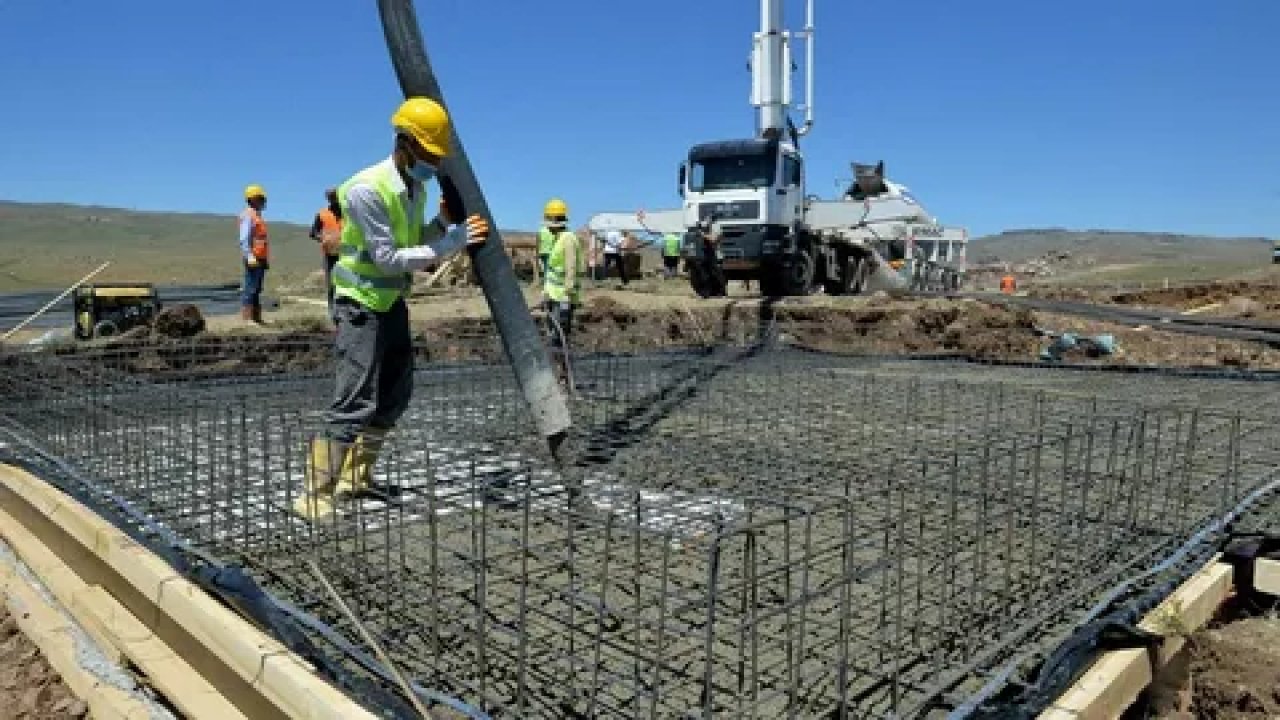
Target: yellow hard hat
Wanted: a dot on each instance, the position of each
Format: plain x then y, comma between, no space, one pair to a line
555,208
426,121
254,191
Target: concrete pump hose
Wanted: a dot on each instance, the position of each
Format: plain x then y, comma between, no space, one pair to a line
520,337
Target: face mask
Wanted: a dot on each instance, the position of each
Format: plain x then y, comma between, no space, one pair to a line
421,171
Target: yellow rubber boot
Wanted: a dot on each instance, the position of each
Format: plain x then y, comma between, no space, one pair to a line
358,475
326,462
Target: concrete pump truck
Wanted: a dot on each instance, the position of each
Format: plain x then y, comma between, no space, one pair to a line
750,193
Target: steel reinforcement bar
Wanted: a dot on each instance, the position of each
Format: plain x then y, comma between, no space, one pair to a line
756,533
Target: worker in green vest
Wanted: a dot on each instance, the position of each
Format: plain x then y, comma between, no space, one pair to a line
561,291
383,242
555,218
670,255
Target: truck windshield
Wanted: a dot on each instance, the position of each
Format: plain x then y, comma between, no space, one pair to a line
732,173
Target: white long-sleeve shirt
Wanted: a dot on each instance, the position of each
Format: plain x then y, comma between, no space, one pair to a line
366,209
246,235
612,242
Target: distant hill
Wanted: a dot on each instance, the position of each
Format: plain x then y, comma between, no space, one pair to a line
46,246
1114,246
1088,257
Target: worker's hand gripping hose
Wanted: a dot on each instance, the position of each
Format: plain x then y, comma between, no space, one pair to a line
520,337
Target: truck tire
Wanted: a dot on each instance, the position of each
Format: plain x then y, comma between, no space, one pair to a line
836,285
698,280
853,276
798,274
858,268
771,279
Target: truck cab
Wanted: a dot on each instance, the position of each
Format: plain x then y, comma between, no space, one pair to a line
754,189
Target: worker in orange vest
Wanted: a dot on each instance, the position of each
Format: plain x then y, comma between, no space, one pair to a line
254,252
1008,284
326,229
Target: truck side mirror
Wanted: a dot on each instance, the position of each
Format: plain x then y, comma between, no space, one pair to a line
680,185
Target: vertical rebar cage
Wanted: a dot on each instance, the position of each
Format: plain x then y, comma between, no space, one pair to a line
739,533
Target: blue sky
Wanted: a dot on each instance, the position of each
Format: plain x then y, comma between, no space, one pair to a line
997,113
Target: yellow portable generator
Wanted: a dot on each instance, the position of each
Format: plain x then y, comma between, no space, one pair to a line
107,309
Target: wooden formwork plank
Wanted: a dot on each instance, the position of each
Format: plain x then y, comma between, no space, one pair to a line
61,580
60,641
1266,576
1116,678
183,609
165,669
116,632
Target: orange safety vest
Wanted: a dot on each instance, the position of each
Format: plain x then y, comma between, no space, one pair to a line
330,231
258,235
329,221
1007,284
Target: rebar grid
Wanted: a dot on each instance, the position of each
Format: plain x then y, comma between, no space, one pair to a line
767,534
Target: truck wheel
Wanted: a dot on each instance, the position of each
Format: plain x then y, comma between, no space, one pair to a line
798,274
836,285
105,328
698,280
771,284
857,269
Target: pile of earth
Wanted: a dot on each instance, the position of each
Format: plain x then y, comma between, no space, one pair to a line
954,327
1191,296
1229,671
1240,299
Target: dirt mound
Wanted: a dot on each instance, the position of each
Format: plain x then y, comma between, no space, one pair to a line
1067,294
29,687
1235,298
1231,671
932,327
179,321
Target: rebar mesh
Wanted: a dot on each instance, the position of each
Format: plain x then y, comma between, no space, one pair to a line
767,533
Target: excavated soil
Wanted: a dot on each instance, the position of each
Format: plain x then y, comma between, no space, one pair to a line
882,326
29,688
1232,671
1144,346
1240,299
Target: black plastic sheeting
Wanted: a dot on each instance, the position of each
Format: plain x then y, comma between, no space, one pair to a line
234,587
1014,699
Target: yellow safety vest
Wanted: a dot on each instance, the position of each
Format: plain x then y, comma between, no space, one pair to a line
546,241
553,284
355,275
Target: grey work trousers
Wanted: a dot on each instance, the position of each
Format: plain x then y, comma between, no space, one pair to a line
373,369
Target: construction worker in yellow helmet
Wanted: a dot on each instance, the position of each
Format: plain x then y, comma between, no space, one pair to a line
384,240
555,218
254,253
563,270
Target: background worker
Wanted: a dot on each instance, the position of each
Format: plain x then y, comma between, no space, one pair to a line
613,254
326,230
254,253
555,218
670,255
384,241
712,263
561,291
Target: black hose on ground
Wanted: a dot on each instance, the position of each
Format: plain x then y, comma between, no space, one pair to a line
520,337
